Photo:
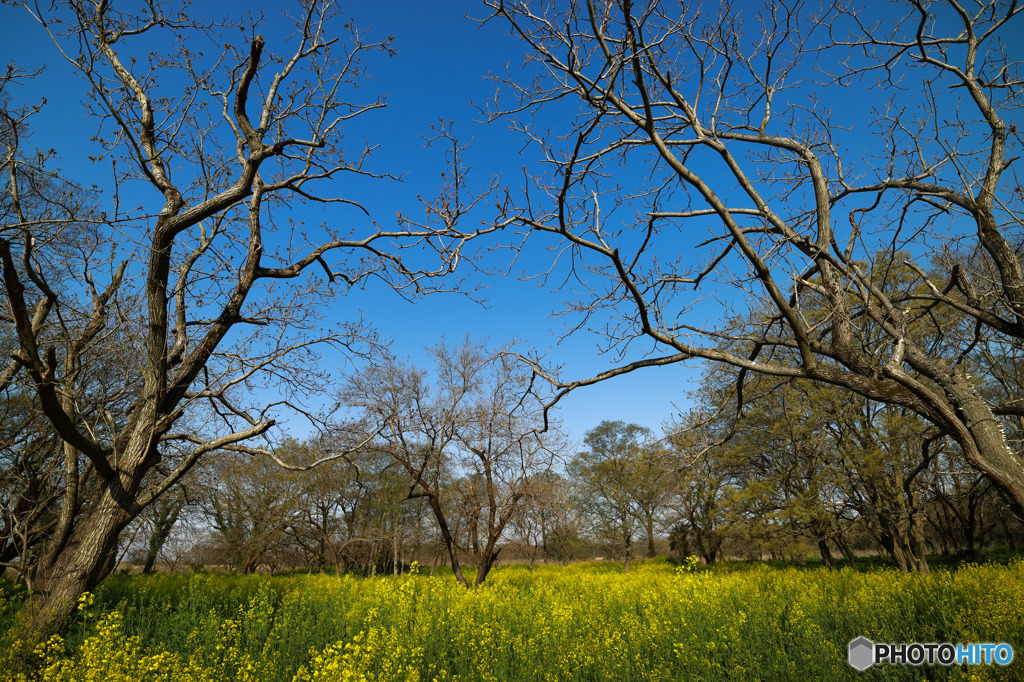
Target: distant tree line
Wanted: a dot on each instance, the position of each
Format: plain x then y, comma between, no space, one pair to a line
802,470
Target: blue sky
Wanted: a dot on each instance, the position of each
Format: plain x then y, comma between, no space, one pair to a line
439,72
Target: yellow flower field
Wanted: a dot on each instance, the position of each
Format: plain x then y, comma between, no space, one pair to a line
583,622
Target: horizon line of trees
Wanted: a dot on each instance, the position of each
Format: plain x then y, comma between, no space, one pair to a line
802,469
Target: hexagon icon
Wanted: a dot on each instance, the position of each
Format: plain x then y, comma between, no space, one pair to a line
862,653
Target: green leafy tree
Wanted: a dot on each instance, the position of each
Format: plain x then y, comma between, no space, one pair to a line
624,485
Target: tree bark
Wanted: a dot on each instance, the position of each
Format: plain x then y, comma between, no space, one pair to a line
88,556
826,554
844,547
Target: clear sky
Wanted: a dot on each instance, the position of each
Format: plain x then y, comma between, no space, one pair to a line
439,72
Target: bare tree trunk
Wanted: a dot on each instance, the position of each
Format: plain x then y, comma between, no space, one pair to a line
985,447
449,542
826,554
485,566
394,550
1006,531
917,544
844,547
88,556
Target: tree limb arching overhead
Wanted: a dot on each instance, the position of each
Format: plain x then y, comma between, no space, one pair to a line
845,174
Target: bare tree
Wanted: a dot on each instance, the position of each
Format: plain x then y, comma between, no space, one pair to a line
715,156
213,289
250,503
470,443
548,519
49,232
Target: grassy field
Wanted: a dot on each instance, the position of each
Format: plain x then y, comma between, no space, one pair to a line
581,622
